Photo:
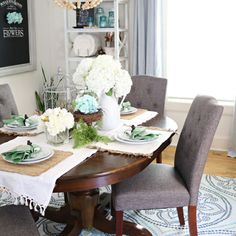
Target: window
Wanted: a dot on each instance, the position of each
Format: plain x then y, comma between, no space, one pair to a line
201,48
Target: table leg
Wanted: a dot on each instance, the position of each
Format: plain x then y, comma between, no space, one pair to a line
72,230
64,215
85,203
60,215
85,209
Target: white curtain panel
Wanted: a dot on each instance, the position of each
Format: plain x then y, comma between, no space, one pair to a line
232,149
146,42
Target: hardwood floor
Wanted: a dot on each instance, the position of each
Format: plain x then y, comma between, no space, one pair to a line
217,163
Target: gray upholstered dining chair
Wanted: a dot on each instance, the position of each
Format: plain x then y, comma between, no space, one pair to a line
7,103
173,186
17,220
148,92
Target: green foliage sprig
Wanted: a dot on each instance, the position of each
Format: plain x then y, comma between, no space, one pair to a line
85,134
39,102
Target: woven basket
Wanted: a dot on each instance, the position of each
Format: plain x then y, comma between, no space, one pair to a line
87,118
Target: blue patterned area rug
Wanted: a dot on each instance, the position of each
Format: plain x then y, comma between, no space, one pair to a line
216,213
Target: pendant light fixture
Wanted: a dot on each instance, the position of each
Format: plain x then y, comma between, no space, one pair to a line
87,4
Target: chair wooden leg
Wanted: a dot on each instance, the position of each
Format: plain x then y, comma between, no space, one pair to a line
119,222
159,158
192,220
180,212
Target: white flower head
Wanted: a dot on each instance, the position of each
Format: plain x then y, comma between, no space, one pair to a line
123,83
82,72
57,120
102,74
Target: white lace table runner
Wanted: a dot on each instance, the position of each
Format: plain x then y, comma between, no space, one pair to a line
37,190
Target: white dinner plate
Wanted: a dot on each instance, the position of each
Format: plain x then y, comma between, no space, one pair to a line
44,154
128,112
123,138
23,127
86,45
20,128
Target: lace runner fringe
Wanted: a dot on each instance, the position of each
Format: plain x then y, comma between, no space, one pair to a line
24,200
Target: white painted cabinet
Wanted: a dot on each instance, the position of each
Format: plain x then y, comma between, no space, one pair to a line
119,32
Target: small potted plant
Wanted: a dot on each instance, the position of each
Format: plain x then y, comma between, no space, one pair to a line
86,109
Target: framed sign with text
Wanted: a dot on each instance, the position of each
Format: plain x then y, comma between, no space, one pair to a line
17,37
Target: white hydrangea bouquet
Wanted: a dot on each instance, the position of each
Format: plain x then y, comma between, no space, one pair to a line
104,77
101,75
57,123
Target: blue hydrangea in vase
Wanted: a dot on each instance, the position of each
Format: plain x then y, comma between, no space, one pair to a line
104,77
86,108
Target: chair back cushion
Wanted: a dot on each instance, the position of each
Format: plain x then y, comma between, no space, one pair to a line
148,92
17,220
7,103
195,141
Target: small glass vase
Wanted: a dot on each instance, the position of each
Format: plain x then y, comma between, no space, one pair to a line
111,20
61,138
103,22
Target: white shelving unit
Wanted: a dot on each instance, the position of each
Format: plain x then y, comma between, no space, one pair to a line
120,31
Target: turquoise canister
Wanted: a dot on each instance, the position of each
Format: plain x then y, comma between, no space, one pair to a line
111,19
103,22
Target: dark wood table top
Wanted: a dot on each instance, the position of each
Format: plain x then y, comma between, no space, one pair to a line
104,168
83,207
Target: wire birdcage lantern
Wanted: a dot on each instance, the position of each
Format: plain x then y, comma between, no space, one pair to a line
60,92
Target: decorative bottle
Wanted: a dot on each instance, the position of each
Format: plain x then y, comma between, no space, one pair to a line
103,22
111,20
98,14
90,21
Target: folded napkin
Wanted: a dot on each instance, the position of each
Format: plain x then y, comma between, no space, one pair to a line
140,133
126,106
21,121
21,152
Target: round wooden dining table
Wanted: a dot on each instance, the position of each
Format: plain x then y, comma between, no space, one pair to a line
84,207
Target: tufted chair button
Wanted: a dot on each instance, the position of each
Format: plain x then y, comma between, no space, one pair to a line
149,90
154,105
139,104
